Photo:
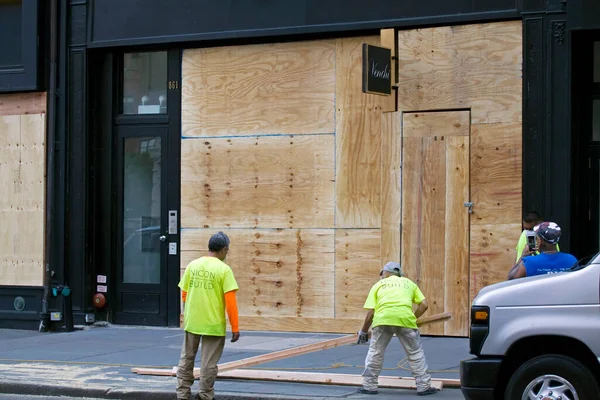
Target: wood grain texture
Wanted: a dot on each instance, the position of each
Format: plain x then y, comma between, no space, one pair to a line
388,39
492,254
23,103
430,124
496,165
357,266
457,236
266,182
22,204
391,186
358,141
435,223
260,89
477,66
280,272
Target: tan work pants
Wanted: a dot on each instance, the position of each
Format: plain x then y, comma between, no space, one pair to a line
410,340
211,351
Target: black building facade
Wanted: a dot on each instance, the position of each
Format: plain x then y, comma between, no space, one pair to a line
79,53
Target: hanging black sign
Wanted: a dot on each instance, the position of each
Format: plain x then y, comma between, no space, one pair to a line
377,70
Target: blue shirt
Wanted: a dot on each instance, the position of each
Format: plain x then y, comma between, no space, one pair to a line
545,263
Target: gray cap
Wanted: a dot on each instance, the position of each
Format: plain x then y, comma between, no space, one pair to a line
393,268
218,241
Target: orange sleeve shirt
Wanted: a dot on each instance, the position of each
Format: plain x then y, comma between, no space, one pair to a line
230,306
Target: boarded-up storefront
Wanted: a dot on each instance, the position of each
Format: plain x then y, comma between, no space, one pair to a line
22,183
319,184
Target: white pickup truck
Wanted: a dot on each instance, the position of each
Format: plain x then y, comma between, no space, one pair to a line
536,338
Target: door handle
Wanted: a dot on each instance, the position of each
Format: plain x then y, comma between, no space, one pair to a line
162,238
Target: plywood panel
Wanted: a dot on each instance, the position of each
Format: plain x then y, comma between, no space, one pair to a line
261,89
496,165
23,103
492,254
357,266
358,141
411,207
267,182
430,267
457,236
391,185
281,272
476,65
388,39
451,123
22,182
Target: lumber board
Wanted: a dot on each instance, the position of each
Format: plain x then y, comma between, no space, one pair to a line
280,272
492,254
23,103
496,166
358,141
22,204
258,182
287,353
390,382
451,67
391,186
456,275
388,39
430,266
276,88
440,124
357,266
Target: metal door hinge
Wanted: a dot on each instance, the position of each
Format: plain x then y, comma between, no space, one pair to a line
470,205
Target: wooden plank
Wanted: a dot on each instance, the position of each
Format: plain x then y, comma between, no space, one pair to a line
457,236
390,382
450,123
430,270
287,353
411,206
391,185
281,272
492,254
358,141
388,39
496,166
266,182
357,266
476,65
259,89
23,103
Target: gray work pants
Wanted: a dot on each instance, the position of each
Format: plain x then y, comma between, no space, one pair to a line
410,340
211,351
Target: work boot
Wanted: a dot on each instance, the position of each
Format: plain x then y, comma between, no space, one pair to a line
366,391
427,392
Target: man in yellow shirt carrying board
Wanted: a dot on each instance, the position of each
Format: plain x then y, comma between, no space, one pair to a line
390,312
208,289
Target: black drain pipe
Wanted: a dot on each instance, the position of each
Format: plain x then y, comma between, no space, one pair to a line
50,154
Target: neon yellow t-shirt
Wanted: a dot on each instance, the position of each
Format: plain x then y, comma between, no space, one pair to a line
523,243
206,280
392,299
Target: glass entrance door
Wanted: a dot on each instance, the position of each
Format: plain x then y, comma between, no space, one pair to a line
142,239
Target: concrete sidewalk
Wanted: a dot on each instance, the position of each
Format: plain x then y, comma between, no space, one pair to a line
96,363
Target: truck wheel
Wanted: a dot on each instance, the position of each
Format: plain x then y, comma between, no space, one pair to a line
552,377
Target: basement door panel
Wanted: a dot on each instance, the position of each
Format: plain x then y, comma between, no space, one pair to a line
435,222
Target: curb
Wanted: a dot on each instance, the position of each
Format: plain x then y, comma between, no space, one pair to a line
41,389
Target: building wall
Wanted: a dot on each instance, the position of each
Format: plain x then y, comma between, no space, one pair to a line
282,150
22,179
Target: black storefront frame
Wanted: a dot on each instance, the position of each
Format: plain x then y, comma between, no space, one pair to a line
546,63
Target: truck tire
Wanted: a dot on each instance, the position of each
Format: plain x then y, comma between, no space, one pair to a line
579,382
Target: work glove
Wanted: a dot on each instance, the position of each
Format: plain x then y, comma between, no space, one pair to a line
363,337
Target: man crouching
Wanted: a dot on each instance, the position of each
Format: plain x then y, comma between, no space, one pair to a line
390,312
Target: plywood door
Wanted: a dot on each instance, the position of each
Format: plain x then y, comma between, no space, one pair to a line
435,221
